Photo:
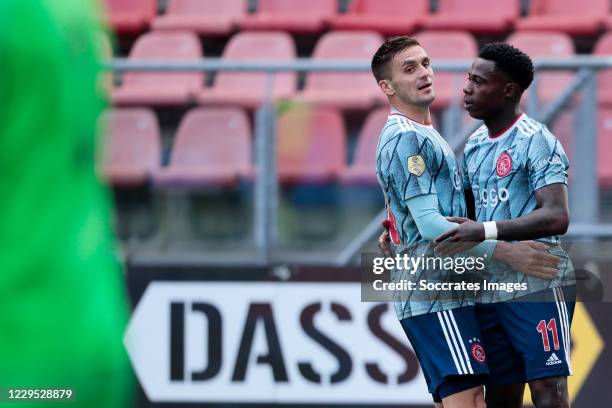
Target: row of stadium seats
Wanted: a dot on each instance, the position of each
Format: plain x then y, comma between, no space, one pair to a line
213,147
388,17
332,89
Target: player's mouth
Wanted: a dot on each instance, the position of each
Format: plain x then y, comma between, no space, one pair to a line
467,104
425,87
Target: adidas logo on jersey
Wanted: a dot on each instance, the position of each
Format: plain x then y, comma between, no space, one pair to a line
553,359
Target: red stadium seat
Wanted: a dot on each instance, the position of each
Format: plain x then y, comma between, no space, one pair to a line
341,89
130,16
294,16
211,17
604,147
311,145
574,17
546,45
448,45
477,16
162,88
604,87
132,147
388,17
248,89
363,169
211,147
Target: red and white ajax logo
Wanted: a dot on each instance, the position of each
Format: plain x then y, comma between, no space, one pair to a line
504,165
477,350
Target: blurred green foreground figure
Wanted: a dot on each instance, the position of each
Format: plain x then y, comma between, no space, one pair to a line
62,299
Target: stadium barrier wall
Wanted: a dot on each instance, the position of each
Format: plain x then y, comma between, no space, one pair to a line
297,336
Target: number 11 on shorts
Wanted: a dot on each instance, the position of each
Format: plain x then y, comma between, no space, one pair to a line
543,329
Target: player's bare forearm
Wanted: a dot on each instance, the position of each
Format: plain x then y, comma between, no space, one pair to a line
550,218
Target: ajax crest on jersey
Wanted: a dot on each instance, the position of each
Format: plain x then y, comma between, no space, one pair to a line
416,165
504,165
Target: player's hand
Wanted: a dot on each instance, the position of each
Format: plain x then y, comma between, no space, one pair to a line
384,241
529,257
467,235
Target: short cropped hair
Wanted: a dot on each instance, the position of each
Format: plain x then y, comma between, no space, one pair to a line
510,60
386,52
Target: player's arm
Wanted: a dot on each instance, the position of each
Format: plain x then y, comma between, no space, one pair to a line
412,165
550,218
529,257
430,223
547,167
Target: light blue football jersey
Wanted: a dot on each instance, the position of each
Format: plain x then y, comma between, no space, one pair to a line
412,159
503,173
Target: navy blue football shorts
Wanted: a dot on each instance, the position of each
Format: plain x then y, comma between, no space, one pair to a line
449,348
528,339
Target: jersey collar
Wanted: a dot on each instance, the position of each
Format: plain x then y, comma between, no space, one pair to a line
395,112
501,135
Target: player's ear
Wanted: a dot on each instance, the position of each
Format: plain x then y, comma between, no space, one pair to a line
511,90
386,87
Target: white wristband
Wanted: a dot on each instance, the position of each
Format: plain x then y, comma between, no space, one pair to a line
490,228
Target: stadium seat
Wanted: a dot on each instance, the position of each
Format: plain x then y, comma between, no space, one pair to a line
294,16
388,17
546,45
210,17
162,88
604,88
476,16
130,16
448,45
344,90
212,147
247,89
132,147
363,169
604,147
311,145
574,17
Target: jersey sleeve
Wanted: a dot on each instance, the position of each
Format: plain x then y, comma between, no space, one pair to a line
547,162
413,164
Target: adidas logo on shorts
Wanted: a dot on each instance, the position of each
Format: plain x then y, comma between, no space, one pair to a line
553,359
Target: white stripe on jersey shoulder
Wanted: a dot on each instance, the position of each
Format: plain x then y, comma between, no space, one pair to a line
400,124
407,125
395,127
529,126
